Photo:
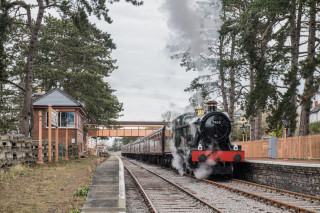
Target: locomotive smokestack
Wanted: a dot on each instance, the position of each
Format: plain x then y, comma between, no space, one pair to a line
212,106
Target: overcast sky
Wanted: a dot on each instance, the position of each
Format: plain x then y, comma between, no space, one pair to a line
148,82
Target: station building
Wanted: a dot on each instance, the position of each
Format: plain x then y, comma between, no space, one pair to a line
71,116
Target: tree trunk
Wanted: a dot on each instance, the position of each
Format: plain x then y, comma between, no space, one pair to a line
21,98
252,121
295,29
308,70
1,92
252,130
27,113
232,84
258,119
222,78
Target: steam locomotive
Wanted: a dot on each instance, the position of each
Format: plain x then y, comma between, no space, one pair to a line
191,140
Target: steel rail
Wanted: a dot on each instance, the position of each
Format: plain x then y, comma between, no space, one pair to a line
296,194
149,203
180,188
276,203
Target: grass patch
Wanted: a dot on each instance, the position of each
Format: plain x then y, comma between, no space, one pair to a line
47,188
13,173
75,211
82,192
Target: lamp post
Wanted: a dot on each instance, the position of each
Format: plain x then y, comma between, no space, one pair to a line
243,130
285,122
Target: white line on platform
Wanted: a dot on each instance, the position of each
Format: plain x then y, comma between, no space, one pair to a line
122,192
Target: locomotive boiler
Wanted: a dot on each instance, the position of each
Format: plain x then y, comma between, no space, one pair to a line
194,139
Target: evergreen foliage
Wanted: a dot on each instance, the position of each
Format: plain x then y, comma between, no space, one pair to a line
20,55
78,61
260,61
77,11
314,128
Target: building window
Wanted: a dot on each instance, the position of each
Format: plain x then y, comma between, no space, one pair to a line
65,119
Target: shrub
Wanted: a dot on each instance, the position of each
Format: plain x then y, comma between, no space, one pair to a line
314,128
82,192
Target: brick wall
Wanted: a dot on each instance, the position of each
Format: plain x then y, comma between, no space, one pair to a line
294,178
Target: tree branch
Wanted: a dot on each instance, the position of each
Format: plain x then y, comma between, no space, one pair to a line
27,8
11,82
270,25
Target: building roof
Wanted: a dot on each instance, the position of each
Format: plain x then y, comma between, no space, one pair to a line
316,109
56,97
239,112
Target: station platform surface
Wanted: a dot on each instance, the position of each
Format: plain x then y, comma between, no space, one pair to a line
107,191
288,162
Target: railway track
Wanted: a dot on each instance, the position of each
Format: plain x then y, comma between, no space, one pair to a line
223,200
134,201
162,195
282,199
293,201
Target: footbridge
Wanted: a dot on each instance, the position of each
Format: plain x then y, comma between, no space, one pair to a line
126,129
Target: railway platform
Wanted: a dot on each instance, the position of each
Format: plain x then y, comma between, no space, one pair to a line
288,162
301,176
107,191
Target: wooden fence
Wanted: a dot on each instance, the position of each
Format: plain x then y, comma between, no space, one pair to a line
302,147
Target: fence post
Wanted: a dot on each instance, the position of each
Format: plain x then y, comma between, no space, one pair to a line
309,146
87,150
49,132
299,150
311,140
66,148
40,161
57,144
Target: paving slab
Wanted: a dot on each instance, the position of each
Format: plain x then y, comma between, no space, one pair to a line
107,192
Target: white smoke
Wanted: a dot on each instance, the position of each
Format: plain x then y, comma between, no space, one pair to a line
194,24
184,21
177,161
204,170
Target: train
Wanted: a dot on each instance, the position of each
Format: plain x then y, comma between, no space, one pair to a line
190,142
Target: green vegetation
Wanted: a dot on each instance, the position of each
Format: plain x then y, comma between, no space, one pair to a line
75,211
82,192
265,50
314,128
13,173
67,52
